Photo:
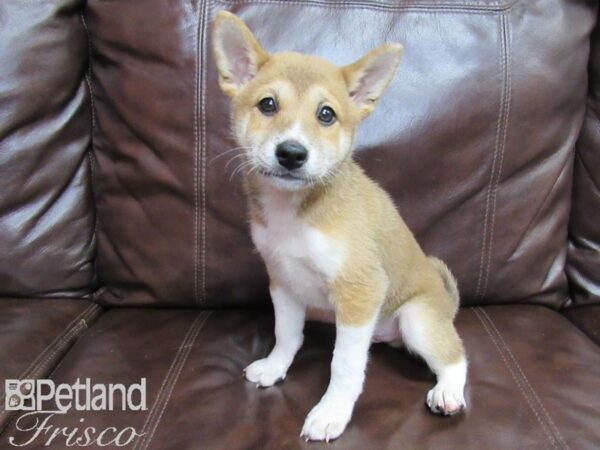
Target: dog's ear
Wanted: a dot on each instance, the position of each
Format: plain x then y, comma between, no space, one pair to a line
238,53
368,77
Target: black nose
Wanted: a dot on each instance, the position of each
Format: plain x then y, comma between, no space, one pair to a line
291,154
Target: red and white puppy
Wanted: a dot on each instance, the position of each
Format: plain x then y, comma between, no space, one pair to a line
330,237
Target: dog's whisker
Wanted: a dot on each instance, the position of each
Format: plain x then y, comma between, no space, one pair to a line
232,159
227,152
224,153
235,171
253,169
242,166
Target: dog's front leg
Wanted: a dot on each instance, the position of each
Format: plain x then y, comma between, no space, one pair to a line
329,417
289,325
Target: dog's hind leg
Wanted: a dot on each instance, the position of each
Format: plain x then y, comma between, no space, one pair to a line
427,328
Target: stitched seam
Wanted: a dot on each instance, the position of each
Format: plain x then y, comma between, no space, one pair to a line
481,9
91,155
526,380
83,324
83,317
196,151
144,439
80,325
160,391
508,96
89,71
547,432
203,149
42,357
59,347
183,360
33,367
486,215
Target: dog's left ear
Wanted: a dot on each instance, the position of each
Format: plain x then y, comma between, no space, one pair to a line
238,53
368,77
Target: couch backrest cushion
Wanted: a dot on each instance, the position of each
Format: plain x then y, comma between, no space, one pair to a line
46,206
583,265
474,139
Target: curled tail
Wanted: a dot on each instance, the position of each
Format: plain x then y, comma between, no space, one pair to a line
449,280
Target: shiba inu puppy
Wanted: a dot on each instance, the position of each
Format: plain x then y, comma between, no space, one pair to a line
330,237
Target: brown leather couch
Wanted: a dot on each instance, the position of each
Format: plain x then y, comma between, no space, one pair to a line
124,250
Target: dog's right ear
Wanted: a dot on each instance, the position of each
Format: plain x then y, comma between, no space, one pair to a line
238,53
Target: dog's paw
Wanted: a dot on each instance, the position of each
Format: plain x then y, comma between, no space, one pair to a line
264,372
326,421
446,400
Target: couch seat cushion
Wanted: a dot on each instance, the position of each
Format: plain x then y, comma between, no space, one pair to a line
533,383
35,334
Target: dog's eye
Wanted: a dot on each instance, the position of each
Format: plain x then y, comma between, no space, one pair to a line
268,106
326,115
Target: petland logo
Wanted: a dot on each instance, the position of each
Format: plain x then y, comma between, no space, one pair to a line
42,400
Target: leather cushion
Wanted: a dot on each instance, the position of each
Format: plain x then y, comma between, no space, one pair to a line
35,334
532,383
47,241
583,266
474,139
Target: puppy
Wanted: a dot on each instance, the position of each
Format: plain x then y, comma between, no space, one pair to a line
330,237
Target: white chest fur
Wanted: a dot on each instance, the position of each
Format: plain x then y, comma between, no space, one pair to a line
301,259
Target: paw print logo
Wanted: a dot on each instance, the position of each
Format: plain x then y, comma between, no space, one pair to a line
13,401
19,395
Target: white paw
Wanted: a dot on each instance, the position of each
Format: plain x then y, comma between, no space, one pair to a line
264,373
326,421
446,400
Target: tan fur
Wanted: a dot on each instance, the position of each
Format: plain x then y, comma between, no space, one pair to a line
304,82
384,267
228,85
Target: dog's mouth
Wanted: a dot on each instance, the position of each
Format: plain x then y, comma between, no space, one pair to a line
283,175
